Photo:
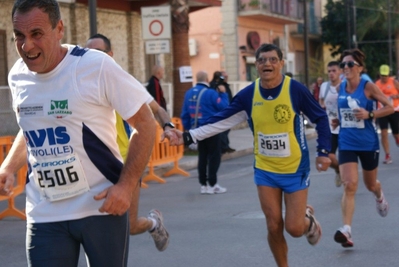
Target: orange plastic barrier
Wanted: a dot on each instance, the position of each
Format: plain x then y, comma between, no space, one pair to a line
163,153
19,186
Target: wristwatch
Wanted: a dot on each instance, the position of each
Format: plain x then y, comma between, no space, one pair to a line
322,152
371,115
169,124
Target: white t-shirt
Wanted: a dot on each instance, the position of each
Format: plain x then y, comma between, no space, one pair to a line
67,117
330,102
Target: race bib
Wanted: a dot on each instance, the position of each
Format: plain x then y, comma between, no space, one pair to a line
274,145
60,178
332,114
348,119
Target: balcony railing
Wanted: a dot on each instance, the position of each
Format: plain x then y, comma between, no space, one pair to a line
289,8
314,25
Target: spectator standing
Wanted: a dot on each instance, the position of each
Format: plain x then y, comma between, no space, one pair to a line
328,100
154,222
154,85
274,106
221,79
390,88
316,88
358,139
200,103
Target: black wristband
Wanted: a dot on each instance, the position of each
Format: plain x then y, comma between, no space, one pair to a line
188,140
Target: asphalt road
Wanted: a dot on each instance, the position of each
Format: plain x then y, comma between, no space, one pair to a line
228,230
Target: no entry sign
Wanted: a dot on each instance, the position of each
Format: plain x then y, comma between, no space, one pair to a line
156,22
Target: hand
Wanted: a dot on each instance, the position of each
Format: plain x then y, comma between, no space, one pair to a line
6,183
177,138
221,88
334,123
117,199
170,134
361,113
322,163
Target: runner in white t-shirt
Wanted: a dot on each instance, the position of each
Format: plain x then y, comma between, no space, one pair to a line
328,100
78,191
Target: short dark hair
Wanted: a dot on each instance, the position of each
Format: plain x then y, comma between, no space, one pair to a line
333,63
107,41
216,76
268,47
357,55
50,7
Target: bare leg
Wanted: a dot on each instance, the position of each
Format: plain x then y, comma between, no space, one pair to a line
296,223
385,141
334,162
349,176
137,225
371,182
271,203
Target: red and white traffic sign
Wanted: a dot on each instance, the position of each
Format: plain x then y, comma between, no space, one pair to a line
156,22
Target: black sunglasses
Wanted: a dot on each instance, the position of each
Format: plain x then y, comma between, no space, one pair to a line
350,64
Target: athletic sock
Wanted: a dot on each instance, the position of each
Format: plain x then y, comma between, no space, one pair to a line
154,224
347,228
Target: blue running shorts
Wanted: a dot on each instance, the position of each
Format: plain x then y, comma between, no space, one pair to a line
289,183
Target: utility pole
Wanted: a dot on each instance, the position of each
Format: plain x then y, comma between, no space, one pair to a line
354,24
389,34
306,40
93,16
348,24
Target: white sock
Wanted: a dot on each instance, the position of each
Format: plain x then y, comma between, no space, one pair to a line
347,228
154,224
381,197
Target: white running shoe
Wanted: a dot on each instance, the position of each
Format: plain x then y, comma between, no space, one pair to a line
314,232
204,189
216,189
343,237
338,181
159,234
382,205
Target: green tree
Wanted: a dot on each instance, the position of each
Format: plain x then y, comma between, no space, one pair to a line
371,30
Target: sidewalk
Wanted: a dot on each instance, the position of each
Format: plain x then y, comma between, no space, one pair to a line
241,140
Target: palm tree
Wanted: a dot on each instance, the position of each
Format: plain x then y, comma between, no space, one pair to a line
181,56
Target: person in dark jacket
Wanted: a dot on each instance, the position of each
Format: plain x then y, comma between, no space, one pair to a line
220,78
154,86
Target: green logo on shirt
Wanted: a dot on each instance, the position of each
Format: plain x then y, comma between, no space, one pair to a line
59,108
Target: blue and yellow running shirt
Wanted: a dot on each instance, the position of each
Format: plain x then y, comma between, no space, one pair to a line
277,147
275,117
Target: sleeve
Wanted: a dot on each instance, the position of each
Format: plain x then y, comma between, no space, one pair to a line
116,88
220,126
323,89
185,113
305,103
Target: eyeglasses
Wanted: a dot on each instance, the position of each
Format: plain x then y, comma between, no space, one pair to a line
263,60
350,64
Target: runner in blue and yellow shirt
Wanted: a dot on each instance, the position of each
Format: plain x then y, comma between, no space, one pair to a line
274,106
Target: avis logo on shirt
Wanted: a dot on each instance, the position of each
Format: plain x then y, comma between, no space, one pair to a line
59,108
